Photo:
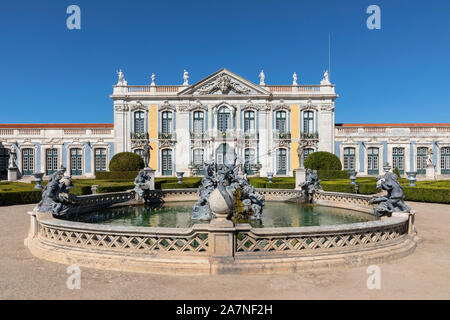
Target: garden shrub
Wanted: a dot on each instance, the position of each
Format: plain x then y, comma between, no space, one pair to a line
332,174
323,160
8,198
119,175
126,161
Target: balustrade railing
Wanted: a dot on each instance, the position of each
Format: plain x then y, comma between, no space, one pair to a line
167,136
309,135
139,135
282,135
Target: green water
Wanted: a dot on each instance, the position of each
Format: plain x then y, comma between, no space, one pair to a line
178,214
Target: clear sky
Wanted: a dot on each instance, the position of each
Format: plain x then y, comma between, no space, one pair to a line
400,73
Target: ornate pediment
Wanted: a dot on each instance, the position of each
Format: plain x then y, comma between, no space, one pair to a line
224,82
196,105
255,106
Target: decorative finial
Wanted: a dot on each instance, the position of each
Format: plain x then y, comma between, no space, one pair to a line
326,79
186,78
121,81
153,80
294,79
261,78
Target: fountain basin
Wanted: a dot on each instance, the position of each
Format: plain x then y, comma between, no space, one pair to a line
249,250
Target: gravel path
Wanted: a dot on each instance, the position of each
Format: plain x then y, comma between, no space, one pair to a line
423,275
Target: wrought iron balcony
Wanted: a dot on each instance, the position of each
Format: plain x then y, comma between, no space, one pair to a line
167,136
282,135
199,135
250,135
139,135
309,135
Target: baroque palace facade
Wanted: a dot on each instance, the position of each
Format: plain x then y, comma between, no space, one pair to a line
220,117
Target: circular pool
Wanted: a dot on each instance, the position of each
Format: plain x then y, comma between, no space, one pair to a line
178,215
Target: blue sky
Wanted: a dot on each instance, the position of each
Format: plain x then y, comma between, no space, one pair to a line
50,74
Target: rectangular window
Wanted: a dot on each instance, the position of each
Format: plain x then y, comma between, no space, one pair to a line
100,159
398,159
349,158
51,156
421,159
445,160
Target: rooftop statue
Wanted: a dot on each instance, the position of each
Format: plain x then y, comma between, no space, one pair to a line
142,184
122,81
56,198
326,78
262,76
294,79
394,200
185,78
310,185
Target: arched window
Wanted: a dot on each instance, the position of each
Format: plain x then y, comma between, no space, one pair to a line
398,159
281,161
139,120
308,122
100,159
421,160
76,162
249,121
445,160
373,161
166,125
223,119
166,161
280,123
199,122
51,161
349,158
249,157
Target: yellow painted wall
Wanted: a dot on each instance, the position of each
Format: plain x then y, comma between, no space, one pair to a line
295,134
153,135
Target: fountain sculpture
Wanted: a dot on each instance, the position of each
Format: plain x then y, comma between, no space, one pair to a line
394,200
142,184
225,178
310,185
56,198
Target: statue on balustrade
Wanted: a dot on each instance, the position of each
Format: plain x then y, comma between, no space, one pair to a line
12,158
310,185
394,200
56,197
142,184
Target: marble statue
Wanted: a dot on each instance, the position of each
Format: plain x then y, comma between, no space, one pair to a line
310,185
153,80
56,198
142,184
146,155
225,178
430,157
185,78
122,80
300,151
294,79
394,200
12,158
326,78
261,78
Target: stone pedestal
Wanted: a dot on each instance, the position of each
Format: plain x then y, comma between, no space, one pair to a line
151,174
13,174
221,238
300,177
430,174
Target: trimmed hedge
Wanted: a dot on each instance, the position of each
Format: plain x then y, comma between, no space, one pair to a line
323,160
332,174
9,198
125,175
126,161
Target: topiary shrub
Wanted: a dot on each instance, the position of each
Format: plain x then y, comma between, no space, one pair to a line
397,172
126,161
322,160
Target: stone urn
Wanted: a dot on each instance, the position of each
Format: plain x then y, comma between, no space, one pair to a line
412,178
352,175
180,176
38,178
219,205
270,176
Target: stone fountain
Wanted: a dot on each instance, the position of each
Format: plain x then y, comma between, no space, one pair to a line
225,179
